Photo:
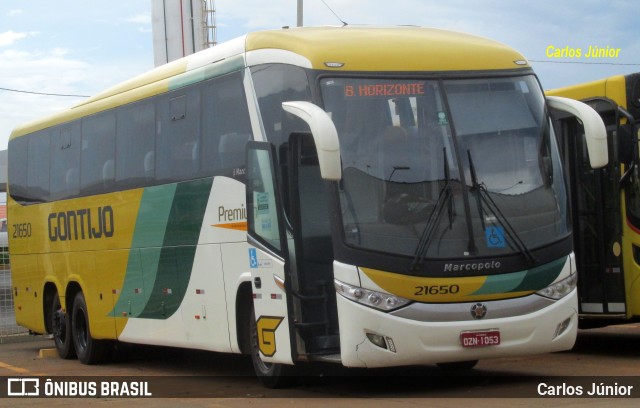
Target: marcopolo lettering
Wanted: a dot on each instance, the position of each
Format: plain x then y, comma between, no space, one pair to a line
81,224
471,266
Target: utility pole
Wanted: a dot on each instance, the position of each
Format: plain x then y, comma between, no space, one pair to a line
300,13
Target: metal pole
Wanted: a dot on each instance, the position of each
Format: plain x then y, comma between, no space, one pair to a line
300,13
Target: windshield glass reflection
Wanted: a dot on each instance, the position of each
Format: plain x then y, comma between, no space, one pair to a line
409,148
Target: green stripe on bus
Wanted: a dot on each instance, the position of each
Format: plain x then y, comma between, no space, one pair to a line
207,72
530,280
542,276
501,283
178,249
148,236
153,216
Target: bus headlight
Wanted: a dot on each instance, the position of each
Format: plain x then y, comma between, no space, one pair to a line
371,298
560,289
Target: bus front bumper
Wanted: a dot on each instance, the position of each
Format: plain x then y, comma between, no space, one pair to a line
370,338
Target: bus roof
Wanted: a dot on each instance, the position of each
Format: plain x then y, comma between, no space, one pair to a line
354,48
362,48
612,88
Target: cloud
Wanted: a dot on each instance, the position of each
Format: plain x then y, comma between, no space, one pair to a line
142,18
10,37
51,71
57,60
58,70
77,68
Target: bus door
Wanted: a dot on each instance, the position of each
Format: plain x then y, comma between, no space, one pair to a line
312,283
268,256
597,219
291,252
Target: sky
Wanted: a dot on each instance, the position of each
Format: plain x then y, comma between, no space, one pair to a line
80,47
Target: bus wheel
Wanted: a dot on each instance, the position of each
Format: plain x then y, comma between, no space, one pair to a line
457,365
61,330
89,350
271,375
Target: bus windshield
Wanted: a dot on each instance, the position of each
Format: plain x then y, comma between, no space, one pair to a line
447,168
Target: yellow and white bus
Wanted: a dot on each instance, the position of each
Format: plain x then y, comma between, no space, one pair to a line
606,202
366,196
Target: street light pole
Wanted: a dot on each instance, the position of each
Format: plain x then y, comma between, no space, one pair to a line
300,13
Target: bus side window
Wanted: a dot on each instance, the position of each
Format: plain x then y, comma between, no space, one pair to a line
18,187
108,173
177,131
232,149
274,84
135,145
65,161
98,152
38,166
150,164
226,125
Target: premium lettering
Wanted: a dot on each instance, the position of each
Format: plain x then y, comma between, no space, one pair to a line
233,214
81,224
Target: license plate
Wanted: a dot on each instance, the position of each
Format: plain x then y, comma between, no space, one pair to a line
480,338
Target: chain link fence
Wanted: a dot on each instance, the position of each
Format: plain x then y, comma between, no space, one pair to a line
8,326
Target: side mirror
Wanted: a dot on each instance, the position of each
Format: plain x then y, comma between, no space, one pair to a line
594,131
324,134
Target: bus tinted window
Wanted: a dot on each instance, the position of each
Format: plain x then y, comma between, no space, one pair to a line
18,168
226,127
38,166
275,84
65,161
98,149
163,139
177,131
135,145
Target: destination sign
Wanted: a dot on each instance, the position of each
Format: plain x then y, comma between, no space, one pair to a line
385,89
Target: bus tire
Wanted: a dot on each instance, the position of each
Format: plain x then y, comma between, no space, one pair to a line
271,375
61,330
457,365
89,350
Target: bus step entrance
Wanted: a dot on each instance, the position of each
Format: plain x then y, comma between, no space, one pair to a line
318,327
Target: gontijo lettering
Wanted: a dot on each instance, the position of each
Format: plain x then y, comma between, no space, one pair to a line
80,224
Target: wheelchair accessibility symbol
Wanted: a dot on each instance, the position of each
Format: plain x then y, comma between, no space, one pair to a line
254,262
495,237
253,258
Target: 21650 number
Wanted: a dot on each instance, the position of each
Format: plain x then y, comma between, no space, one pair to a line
436,290
22,230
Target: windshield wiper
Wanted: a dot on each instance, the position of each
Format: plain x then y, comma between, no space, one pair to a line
445,198
483,196
476,186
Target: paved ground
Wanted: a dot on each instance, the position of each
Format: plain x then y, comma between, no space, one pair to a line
604,356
